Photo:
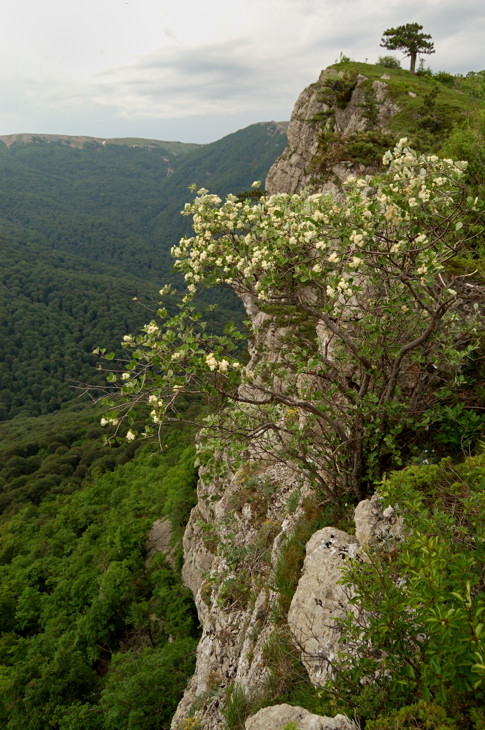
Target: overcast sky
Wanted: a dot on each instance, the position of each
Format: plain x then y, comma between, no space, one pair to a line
196,70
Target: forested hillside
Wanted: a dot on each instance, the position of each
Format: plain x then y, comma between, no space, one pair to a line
84,229
93,621
79,593
97,631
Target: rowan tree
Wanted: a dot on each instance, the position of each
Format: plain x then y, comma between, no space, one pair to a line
409,39
357,324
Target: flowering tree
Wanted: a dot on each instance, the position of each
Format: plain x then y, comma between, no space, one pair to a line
354,322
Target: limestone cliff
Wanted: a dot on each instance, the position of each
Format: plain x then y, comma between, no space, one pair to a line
337,106
240,533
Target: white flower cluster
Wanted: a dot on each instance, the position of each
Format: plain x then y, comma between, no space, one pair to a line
221,366
109,421
356,261
313,238
151,328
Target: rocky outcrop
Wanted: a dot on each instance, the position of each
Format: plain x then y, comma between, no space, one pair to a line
240,526
232,544
231,547
159,541
319,600
276,717
289,173
319,111
375,526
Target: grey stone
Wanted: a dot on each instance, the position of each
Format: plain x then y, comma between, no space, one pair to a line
373,525
277,716
158,540
292,172
319,600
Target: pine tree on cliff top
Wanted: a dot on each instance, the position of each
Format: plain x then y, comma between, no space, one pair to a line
410,40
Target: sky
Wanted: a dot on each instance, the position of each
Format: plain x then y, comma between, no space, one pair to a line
197,70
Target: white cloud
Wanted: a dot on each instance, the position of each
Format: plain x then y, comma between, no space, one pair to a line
123,65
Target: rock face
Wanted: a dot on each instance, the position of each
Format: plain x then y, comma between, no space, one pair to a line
234,599
319,600
276,717
231,546
241,525
368,106
373,525
158,540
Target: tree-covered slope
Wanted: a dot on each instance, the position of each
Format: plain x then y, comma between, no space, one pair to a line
94,635
223,167
83,231
96,632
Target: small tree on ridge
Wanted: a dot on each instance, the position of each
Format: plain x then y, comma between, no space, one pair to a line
410,40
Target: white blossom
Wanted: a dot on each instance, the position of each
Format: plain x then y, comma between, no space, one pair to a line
211,361
152,329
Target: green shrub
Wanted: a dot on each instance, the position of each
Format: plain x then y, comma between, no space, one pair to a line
420,716
444,78
417,629
389,62
236,708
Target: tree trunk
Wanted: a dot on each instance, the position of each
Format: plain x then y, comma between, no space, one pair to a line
413,63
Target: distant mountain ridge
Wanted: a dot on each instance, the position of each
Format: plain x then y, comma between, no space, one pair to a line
81,141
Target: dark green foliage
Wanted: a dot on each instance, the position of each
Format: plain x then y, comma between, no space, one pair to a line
389,62
359,148
409,39
367,148
54,454
337,88
83,615
459,428
143,689
420,716
420,604
87,230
